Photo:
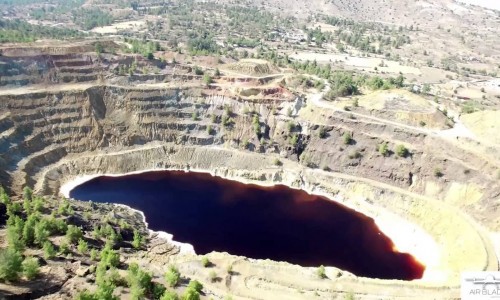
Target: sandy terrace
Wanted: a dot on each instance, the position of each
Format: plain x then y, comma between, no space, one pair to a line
114,28
357,62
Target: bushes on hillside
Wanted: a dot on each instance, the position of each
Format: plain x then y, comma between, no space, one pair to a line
401,151
10,264
73,234
172,276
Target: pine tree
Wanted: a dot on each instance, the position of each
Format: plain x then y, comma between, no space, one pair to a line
31,268
10,264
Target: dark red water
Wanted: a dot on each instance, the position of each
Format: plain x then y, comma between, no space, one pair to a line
278,223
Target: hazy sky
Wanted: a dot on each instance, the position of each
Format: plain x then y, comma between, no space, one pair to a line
495,4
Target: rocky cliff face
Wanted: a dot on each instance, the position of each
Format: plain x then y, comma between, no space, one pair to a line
41,127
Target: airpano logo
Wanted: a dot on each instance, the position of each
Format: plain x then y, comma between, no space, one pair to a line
480,285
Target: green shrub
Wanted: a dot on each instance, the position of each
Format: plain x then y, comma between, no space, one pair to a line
105,291
322,132
137,242
245,144
426,88
401,151
349,296
115,278
107,230
41,233
17,224
4,198
13,238
137,277
27,193
13,208
342,84
172,276
65,208
98,48
94,254
169,295
212,276
191,294
31,268
376,83
195,115
48,250
123,224
347,138
290,126
256,125
383,149
83,246
109,257
96,233
85,295
195,285
205,262
468,108
207,79
438,172
55,226
73,234
210,130
227,121
100,273
29,229
137,292
10,264
306,160
355,155
321,272
27,206
158,290
64,248
198,71
114,237
37,204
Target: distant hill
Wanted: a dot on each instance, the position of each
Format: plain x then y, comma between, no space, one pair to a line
484,3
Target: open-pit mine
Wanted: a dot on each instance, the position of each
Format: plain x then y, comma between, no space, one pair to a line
241,178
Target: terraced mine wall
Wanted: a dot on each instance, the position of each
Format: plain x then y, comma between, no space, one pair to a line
98,117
